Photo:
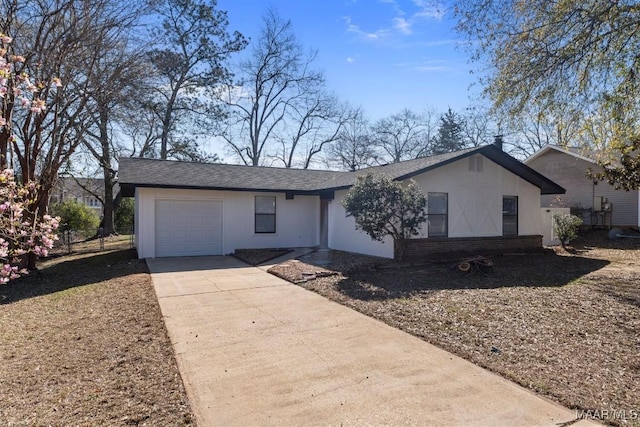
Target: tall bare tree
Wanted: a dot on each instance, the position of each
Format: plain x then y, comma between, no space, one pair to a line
535,127
279,89
191,46
478,127
403,136
353,148
114,82
311,124
59,40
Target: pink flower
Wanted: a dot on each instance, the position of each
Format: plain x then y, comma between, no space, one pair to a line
56,82
38,106
5,39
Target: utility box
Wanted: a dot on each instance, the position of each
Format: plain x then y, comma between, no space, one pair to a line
597,203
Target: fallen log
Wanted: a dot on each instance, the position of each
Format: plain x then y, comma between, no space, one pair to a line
478,263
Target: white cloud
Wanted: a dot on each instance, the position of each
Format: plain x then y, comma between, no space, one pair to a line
353,28
427,66
434,68
402,25
351,59
429,9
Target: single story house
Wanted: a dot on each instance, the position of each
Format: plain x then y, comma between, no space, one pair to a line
600,203
478,198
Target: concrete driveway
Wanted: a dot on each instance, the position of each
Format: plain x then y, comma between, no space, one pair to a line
255,350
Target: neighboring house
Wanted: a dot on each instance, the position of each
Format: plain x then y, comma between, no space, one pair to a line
478,198
602,205
82,190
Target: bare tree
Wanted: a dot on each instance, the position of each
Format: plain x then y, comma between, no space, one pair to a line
535,127
59,39
114,81
314,123
478,127
353,148
279,90
191,47
402,136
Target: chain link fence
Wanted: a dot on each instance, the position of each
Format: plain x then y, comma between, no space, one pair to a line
93,240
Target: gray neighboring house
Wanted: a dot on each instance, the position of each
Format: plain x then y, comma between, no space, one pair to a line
82,190
568,167
479,198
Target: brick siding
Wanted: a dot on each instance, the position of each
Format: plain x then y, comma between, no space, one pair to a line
446,247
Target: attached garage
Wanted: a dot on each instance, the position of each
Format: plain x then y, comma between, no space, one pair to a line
188,227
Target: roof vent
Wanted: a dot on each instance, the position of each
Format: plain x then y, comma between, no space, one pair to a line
498,141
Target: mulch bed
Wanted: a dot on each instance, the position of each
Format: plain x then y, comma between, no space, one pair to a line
83,343
259,256
566,325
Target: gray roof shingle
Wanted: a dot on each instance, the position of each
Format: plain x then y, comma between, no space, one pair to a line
170,173
137,172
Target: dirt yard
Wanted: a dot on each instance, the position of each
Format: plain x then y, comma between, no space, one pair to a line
566,325
83,343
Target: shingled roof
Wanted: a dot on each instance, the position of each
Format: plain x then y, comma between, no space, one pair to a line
137,172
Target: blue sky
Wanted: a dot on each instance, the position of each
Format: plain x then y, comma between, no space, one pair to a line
383,55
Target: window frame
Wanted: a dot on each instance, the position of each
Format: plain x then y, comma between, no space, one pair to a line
258,214
507,214
445,215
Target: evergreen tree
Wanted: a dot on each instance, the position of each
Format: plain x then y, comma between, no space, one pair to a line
450,134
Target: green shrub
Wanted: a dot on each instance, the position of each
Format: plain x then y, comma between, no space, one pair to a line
383,207
124,215
566,227
75,216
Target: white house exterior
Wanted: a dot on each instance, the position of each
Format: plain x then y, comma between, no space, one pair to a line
209,222
205,209
568,168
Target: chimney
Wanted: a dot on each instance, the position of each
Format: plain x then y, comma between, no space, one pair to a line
498,141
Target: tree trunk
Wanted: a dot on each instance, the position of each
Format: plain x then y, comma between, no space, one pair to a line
399,249
108,208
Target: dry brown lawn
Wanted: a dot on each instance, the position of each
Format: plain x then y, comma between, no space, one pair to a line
83,343
566,325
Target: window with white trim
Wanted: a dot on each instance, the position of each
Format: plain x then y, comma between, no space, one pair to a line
265,214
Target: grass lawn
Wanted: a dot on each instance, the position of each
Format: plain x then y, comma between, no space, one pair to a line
564,325
83,343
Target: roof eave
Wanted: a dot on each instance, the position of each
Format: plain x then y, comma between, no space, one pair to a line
550,147
129,186
525,172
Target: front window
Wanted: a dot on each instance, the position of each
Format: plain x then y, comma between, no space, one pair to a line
265,221
510,216
437,212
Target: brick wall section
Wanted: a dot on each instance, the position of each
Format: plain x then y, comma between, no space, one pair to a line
439,247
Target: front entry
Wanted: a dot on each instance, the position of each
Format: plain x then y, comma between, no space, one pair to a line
324,224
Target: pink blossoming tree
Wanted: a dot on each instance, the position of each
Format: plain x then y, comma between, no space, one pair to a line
22,231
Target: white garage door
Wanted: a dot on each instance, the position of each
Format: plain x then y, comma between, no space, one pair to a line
188,227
